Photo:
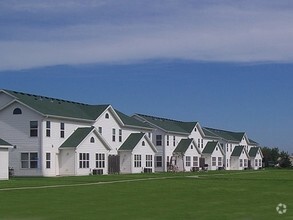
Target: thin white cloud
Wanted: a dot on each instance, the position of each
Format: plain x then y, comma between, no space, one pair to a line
129,33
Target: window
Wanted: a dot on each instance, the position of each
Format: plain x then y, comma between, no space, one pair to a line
260,163
48,160
84,160
62,129
159,140
195,161
107,115
120,135
29,160
149,160
188,162
168,142
241,163
174,141
191,146
137,160
201,143
159,161
100,160
198,142
100,130
227,148
230,147
48,128
195,129
34,128
256,162
143,143
17,111
245,162
214,161
149,134
92,140
113,134
219,161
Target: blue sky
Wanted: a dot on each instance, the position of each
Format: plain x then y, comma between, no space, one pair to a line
226,64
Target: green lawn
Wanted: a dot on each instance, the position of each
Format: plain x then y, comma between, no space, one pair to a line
213,195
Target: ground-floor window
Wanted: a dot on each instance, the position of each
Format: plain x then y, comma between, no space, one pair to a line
256,162
29,160
188,161
245,162
219,161
158,161
149,160
137,160
84,160
260,163
48,160
100,160
241,163
195,161
214,161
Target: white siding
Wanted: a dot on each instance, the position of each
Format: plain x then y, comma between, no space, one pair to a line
15,129
4,99
67,162
3,163
125,161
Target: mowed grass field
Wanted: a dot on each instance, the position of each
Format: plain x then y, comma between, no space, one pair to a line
210,195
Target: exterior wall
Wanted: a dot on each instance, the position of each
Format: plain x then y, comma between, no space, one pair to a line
4,164
125,161
235,162
15,129
126,157
253,164
92,148
67,162
198,138
51,144
219,156
228,149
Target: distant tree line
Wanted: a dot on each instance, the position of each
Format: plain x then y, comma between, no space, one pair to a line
273,157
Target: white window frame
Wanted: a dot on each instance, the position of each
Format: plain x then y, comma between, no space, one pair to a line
159,163
48,128
30,160
100,160
148,160
34,128
137,160
48,160
214,161
195,161
84,160
219,161
188,161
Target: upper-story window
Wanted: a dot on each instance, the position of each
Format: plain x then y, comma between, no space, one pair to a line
120,135
113,134
107,115
34,128
62,130
168,140
17,111
159,140
92,140
174,140
201,143
100,130
143,143
48,128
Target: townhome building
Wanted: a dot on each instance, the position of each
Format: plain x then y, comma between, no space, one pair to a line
167,135
54,137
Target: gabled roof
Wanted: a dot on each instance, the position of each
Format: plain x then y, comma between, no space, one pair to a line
130,121
253,142
237,151
253,151
227,135
77,137
169,125
4,143
58,107
184,144
210,147
133,139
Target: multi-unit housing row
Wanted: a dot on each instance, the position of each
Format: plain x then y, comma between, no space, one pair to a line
43,136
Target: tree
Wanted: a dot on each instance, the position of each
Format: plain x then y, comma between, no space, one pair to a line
284,160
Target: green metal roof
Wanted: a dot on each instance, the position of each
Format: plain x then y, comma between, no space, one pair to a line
237,151
209,133
59,107
210,147
131,142
183,145
170,125
252,142
130,121
227,135
4,143
253,151
77,137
